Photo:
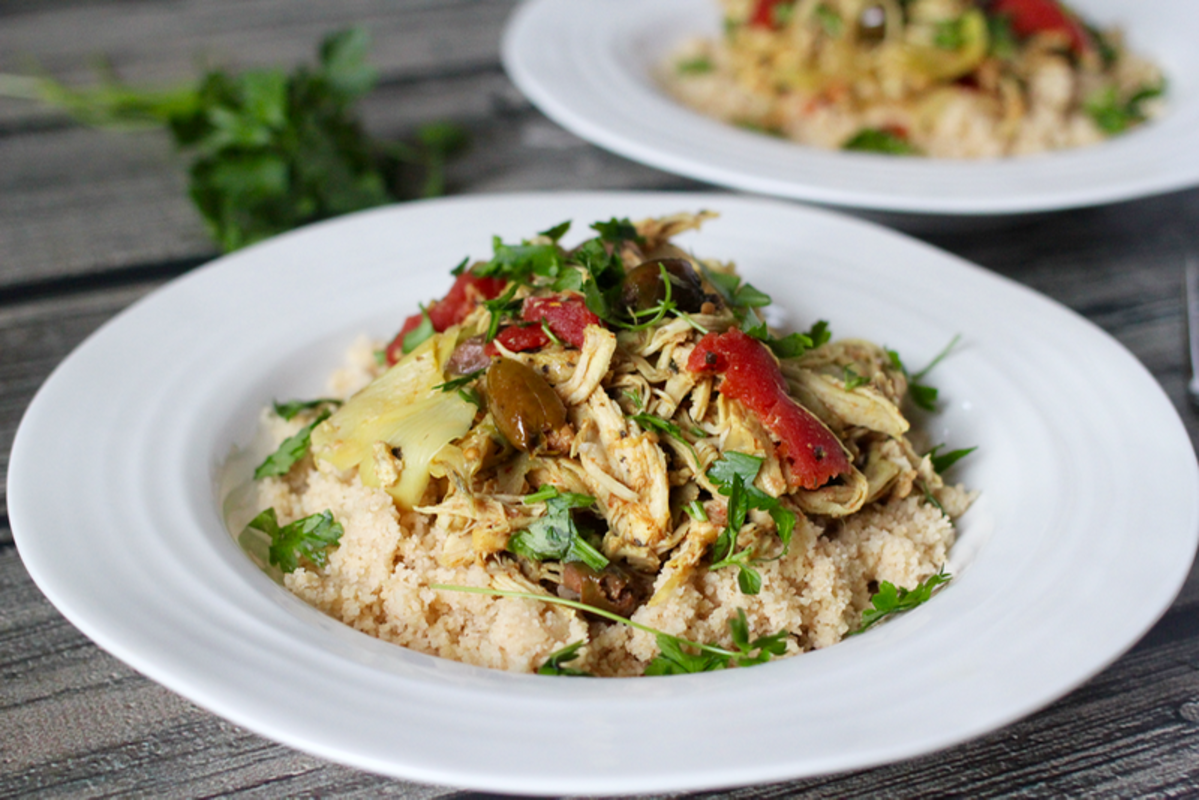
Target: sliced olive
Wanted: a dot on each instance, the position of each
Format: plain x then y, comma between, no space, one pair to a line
526,409
610,589
644,288
469,356
872,24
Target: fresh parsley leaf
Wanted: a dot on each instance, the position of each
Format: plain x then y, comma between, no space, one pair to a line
829,20
699,65
471,396
419,334
948,34
459,382
519,262
557,232
554,536
733,468
291,450
696,509
733,465
889,599
932,500
792,345
923,396
738,296
554,662
877,140
852,379
766,646
616,231
1114,115
309,537
674,660
461,268
943,461
503,306
292,407
1001,39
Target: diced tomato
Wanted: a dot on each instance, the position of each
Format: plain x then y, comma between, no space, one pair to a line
1037,16
567,317
752,375
462,298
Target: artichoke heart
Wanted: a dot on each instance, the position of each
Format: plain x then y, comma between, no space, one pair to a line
402,409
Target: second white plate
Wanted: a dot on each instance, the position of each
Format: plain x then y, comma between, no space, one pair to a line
589,64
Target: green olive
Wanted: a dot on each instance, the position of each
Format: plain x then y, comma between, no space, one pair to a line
644,288
525,407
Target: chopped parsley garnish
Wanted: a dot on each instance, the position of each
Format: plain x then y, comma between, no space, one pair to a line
459,382
943,461
554,536
1001,39
310,537
734,475
292,407
419,334
695,66
877,140
740,297
852,379
794,344
889,599
829,20
1115,116
675,659
557,232
923,396
948,34
615,231
554,662
291,450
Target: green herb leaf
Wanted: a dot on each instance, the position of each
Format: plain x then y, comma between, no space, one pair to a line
889,599
877,140
948,34
419,334
557,232
674,660
943,461
309,537
291,450
699,65
766,646
554,662
554,536
829,20
292,407
458,383
616,231
852,379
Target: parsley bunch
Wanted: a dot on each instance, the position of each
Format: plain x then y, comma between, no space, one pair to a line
270,150
734,476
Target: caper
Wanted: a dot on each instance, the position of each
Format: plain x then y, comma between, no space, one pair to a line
526,409
644,288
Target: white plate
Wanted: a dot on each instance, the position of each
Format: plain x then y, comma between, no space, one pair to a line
113,501
588,64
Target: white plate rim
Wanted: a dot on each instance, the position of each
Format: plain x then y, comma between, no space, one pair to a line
580,63
161,594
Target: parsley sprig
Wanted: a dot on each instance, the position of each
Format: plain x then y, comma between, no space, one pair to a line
309,537
675,658
922,395
555,536
270,150
793,345
734,474
890,599
293,448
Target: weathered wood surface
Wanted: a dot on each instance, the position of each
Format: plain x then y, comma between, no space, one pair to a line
90,221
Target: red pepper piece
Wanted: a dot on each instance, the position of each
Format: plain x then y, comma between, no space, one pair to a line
752,375
763,13
566,315
1036,16
518,339
462,298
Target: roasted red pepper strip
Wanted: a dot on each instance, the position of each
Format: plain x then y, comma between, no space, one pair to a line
1037,16
462,298
751,374
763,13
567,317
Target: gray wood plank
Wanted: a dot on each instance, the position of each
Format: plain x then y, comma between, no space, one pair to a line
34,337
1131,731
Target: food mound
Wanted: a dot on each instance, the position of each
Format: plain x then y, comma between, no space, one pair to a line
942,78
601,460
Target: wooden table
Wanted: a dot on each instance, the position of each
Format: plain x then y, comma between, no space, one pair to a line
91,221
